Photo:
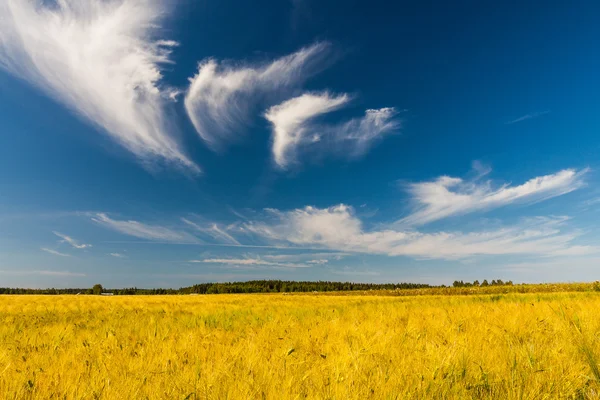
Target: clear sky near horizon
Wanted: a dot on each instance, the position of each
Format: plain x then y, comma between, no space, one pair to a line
161,144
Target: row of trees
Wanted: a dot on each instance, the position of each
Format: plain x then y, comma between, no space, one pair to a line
271,286
97,289
42,291
495,282
262,286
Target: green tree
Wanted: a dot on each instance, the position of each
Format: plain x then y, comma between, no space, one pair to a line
97,289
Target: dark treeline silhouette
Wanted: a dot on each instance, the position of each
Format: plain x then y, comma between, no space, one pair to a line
125,291
495,282
294,286
263,286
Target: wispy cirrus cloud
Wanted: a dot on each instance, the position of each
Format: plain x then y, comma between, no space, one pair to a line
252,263
117,255
318,262
214,231
142,230
449,196
527,116
313,236
338,228
74,243
294,128
310,257
221,96
102,60
55,252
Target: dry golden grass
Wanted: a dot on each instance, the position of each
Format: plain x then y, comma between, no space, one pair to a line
514,346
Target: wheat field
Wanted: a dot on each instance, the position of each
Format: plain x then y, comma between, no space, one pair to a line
513,346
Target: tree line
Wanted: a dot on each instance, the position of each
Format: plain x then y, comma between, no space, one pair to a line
257,286
495,282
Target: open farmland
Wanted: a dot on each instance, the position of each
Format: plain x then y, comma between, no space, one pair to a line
499,346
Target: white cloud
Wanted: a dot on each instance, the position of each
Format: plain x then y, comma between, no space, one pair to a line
337,228
448,196
289,121
252,263
309,258
294,127
221,97
214,231
117,255
318,262
527,116
143,231
71,241
56,253
101,59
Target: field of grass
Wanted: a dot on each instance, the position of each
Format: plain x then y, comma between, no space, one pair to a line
499,346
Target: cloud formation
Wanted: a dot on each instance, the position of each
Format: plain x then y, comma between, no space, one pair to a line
102,60
143,231
314,236
290,119
221,97
338,228
252,263
55,252
527,116
214,231
309,258
71,241
117,255
294,127
448,196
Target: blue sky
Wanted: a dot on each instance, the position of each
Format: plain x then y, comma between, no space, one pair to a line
160,144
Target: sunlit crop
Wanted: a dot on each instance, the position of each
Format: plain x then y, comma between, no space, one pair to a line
501,346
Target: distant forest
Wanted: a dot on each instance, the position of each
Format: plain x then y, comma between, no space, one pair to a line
264,286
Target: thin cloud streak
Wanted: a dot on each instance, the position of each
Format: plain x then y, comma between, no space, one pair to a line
252,263
102,60
203,244
449,196
143,231
71,241
117,255
214,231
55,252
312,257
527,116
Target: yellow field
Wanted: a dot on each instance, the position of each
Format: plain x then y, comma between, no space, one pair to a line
514,346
